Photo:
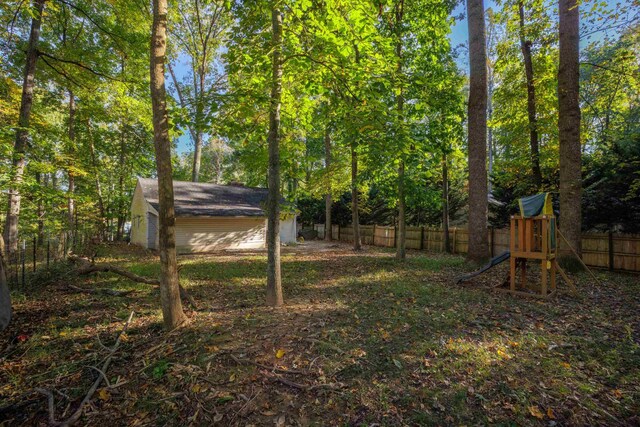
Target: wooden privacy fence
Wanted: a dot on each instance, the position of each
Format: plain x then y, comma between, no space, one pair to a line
601,250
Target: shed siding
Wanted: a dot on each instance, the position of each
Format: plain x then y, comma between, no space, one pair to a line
139,208
209,234
288,231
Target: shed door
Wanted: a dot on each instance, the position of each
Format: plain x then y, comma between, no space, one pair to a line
215,233
152,230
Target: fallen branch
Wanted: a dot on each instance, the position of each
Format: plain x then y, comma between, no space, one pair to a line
86,267
111,292
78,413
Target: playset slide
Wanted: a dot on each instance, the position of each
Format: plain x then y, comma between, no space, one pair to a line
494,261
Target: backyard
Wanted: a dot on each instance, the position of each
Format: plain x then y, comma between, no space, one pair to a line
363,339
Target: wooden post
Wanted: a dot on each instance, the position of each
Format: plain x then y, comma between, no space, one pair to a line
48,250
395,236
373,238
512,259
545,256
611,259
421,237
453,248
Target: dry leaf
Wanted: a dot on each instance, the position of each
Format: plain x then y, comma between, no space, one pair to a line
280,353
103,394
550,414
536,412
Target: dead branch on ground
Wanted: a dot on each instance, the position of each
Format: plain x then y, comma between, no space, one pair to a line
111,292
78,413
86,267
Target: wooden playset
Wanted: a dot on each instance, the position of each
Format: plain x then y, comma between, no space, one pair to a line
534,237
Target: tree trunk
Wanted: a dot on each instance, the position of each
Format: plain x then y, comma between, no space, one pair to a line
5,295
445,204
569,123
327,206
197,153
197,156
355,216
525,46
477,129
169,282
70,173
121,208
274,279
401,242
40,210
490,148
22,134
401,245
95,168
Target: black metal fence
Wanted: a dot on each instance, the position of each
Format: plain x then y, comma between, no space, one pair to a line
35,254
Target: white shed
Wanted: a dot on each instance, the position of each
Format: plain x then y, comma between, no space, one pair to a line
208,216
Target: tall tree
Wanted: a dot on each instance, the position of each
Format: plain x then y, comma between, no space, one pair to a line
197,32
328,203
5,295
569,123
477,131
71,203
22,133
445,204
525,46
401,243
274,279
355,214
169,282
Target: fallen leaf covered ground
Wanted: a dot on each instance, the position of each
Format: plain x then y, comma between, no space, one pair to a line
363,340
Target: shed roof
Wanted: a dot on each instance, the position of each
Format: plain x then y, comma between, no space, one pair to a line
205,199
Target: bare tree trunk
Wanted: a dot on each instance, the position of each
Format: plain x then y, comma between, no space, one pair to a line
525,46
401,245
40,211
169,282
22,134
355,216
477,129
5,295
197,156
569,123
401,242
197,153
445,204
328,202
122,208
70,173
490,86
94,163
274,279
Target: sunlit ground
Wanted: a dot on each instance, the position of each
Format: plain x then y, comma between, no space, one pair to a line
363,339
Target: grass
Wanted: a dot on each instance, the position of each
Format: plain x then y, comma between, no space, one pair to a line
398,342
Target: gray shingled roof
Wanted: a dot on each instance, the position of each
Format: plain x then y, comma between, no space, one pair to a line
204,199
